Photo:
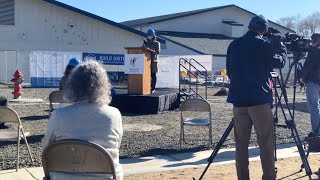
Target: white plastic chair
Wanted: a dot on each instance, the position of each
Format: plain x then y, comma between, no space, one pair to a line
73,156
195,105
10,116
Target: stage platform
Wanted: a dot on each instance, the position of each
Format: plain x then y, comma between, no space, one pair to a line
161,100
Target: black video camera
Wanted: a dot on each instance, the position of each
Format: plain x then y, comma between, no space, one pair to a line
297,43
292,41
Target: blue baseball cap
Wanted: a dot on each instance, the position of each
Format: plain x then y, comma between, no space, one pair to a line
74,62
259,22
151,32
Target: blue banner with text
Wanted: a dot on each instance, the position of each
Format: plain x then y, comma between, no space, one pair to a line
108,59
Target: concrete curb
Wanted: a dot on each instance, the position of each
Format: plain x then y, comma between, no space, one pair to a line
164,162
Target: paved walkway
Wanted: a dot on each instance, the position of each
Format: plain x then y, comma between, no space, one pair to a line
162,163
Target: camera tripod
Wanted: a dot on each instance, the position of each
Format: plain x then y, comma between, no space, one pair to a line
290,124
300,57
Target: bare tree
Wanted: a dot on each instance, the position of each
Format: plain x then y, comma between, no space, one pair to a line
312,22
303,26
289,22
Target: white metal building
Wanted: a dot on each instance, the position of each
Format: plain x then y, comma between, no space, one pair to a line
204,31
53,26
49,25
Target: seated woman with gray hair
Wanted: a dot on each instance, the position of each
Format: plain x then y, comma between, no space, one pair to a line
90,117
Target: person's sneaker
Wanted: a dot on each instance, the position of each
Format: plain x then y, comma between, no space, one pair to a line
4,126
153,91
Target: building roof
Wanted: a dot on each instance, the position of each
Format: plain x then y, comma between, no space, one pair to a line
156,19
213,44
99,18
193,35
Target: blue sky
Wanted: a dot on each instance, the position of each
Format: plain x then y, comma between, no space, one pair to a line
122,10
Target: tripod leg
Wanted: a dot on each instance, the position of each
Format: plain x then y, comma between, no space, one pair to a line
293,125
303,156
218,146
287,78
307,155
183,139
275,147
275,119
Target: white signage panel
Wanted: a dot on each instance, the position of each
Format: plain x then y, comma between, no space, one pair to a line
134,63
47,67
168,75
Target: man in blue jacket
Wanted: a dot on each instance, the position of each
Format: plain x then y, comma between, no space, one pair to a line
249,61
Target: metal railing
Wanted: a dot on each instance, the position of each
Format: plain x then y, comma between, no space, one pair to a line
192,70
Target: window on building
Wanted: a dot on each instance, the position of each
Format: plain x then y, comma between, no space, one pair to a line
6,12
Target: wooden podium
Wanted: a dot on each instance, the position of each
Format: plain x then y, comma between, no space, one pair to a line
140,84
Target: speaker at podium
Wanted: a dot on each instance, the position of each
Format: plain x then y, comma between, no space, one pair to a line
138,68
138,98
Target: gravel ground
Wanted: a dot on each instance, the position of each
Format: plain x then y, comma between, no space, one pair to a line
158,135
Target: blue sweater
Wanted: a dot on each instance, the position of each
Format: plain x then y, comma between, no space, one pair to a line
249,61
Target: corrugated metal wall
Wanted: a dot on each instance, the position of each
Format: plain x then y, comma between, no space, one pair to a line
40,26
10,61
6,12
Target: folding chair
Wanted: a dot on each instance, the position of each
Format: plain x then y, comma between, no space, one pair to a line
76,156
56,97
9,115
195,105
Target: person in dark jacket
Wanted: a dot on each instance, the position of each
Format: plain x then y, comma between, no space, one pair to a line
71,65
3,102
311,76
250,59
153,44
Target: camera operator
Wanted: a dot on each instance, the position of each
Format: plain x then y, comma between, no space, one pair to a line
311,76
250,59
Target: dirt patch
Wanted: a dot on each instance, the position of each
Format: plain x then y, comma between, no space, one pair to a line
287,169
141,127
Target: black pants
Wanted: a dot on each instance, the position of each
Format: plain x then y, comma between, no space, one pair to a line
3,102
153,81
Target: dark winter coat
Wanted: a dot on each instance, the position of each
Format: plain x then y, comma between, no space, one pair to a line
311,67
63,82
249,61
154,45
3,101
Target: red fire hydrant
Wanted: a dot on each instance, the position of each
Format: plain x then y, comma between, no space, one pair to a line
17,81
